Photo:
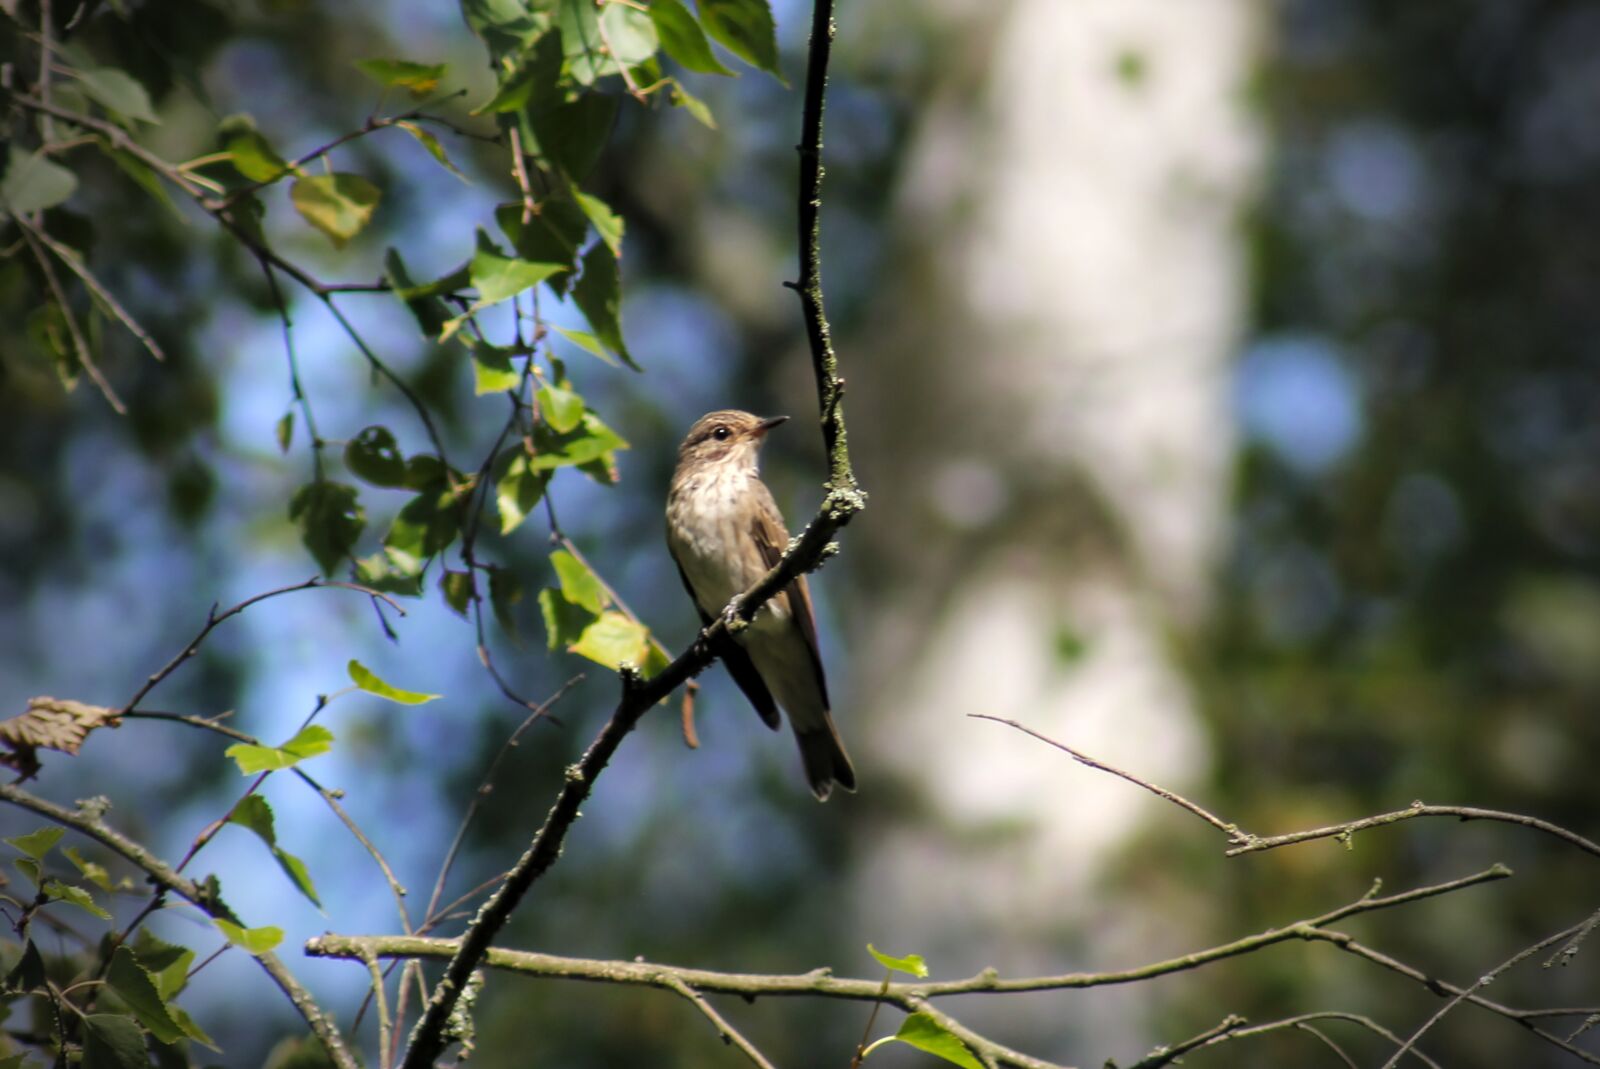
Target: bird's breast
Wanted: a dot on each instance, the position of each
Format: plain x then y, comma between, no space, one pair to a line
709,530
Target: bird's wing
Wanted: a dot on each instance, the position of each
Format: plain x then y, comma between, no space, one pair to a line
773,540
739,665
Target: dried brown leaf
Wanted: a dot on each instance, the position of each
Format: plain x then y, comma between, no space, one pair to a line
50,724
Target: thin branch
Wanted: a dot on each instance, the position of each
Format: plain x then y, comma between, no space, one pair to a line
88,822
213,619
1252,844
1232,830
821,982
1167,1055
1302,1022
76,265
729,1034
80,344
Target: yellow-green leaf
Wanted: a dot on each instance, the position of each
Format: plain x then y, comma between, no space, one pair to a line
911,964
682,37
308,742
579,585
363,677
252,940
562,409
426,139
36,844
418,78
339,205
613,640
607,223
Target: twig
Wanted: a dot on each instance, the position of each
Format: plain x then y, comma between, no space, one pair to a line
1302,1022
296,390
76,265
80,344
1084,759
729,1034
1167,1055
213,618
1417,809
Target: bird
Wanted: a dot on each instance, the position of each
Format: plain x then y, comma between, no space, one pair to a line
725,532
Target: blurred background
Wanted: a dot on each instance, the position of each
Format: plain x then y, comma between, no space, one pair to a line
1225,378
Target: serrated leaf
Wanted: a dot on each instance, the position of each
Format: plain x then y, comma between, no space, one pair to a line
562,409
57,891
330,519
374,456
498,278
553,234
111,1041
504,593
419,79
339,205
32,183
572,134
255,941
613,640
254,813
492,370
564,622
607,223
426,139
579,585
368,680
308,742
598,295
92,871
587,342
745,28
926,1034
136,987
284,431
117,91
36,844
518,487
591,440
911,964
683,38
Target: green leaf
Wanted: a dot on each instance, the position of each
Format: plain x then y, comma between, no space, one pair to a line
562,409
36,844
592,440
419,79
136,987
392,571
141,173
117,91
579,23
31,869
911,964
518,487
426,139
503,25
92,871
374,456
75,896
579,585
572,134
564,622
330,520
160,957
298,874
492,370
32,183
504,593
367,680
284,431
111,1041
498,278
553,234
430,312
457,590
254,813
607,223
427,524
613,640
339,205
630,35
256,941
683,38
598,296
28,973
928,1035
587,342
308,742
696,107
745,28
251,154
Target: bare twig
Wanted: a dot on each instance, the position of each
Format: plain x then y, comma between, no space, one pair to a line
76,265
80,344
1253,844
729,1034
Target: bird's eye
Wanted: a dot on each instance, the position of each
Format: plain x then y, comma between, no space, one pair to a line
720,434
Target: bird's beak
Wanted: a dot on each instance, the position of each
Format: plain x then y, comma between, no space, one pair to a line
767,424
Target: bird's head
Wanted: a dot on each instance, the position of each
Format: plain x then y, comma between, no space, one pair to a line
721,437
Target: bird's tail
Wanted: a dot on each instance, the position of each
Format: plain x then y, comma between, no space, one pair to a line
822,754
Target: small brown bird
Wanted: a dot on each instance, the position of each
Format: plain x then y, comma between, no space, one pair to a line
726,532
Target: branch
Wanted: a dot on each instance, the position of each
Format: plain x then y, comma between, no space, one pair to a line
843,501
87,820
1221,1034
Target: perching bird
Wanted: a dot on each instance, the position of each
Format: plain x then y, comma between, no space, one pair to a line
726,532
